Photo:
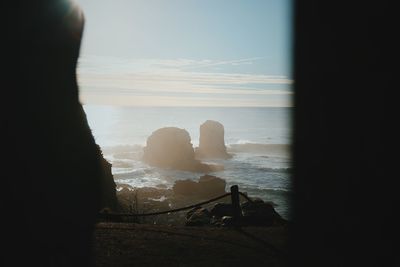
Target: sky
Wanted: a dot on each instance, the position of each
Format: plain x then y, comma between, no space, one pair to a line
186,53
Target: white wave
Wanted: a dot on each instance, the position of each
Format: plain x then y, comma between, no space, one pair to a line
123,148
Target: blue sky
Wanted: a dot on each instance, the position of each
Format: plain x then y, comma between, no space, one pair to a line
186,52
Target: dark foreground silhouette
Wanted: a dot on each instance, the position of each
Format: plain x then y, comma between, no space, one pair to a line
51,190
344,204
121,244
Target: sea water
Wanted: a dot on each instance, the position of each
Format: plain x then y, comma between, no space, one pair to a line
258,138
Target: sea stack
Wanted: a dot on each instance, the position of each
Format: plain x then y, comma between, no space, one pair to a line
171,148
212,141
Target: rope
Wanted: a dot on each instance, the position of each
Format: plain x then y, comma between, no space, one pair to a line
167,211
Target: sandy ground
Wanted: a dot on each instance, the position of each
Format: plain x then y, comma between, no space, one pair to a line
129,244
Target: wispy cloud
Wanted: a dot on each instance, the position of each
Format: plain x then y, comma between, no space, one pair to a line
179,82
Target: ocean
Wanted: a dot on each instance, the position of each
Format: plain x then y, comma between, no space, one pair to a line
258,138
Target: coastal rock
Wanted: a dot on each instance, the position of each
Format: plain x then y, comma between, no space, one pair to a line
198,217
222,209
185,187
207,186
212,143
171,148
211,186
108,186
260,213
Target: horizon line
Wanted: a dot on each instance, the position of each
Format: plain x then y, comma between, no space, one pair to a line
170,106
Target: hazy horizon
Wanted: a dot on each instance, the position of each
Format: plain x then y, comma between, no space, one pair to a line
190,53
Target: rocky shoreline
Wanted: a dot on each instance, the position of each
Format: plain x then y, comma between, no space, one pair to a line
186,193
171,148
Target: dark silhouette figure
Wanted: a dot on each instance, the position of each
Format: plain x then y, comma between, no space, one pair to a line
51,188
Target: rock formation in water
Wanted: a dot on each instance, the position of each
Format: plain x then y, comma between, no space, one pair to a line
208,186
211,186
171,148
212,142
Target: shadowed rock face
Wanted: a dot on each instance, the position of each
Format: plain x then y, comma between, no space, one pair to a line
54,196
108,191
212,143
171,148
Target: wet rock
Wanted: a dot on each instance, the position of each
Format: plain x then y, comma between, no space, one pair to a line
212,142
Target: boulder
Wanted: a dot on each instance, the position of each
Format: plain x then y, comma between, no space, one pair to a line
260,213
171,148
255,213
185,187
212,142
222,209
198,217
208,186
211,186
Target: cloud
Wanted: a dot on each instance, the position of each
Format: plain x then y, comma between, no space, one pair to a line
178,82
183,101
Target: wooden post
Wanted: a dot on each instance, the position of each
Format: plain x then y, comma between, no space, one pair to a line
237,211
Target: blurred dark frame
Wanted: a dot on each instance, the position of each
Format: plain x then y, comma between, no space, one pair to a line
344,191
344,180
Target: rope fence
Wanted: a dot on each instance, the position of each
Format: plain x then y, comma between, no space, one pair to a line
237,213
234,198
